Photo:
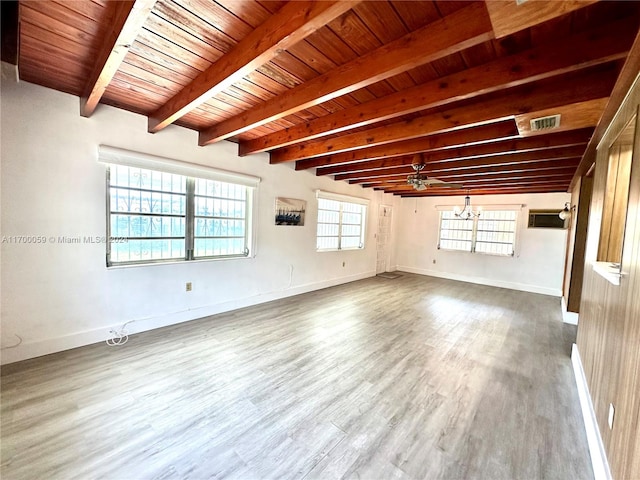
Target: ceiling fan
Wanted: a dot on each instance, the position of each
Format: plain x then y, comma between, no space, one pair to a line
419,181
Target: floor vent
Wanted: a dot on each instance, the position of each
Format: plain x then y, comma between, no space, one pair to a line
545,123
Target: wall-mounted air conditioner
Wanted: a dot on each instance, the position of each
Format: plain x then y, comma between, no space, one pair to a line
546,219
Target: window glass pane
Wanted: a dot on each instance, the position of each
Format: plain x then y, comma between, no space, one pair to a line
327,229
351,207
496,232
146,226
351,242
351,230
351,218
140,178
325,204
146,250
134,200
148,215
455,233
211,247
327,243
328,216
220,226
340,225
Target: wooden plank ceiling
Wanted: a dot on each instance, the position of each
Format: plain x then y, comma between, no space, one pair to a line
355,89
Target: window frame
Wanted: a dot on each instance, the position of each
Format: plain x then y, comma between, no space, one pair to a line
191,172
342,201
474,235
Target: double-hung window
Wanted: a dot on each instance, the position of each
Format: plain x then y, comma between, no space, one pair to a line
492,232
173,210
341,222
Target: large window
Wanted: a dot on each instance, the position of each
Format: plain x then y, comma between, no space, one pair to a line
147,215
156,216
493,232
340,224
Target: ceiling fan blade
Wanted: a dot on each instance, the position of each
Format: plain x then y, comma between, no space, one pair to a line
459,186
441,183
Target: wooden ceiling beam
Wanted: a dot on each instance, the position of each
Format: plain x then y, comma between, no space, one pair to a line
486,176
468,136
462,29
576,115
127,23
561,180
469,168
510,191
594,84
542,146
498,161
508,16
521,189
555,183
291,24
600,45
627,76
476,191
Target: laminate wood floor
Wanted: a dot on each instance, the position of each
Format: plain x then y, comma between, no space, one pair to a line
411,378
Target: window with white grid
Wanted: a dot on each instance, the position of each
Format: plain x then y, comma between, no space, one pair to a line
455,233
159,216
147,215
220,219
496,232
493,232
340,225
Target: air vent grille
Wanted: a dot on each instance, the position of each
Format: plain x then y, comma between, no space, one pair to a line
545,123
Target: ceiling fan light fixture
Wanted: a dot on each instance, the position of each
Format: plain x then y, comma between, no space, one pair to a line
417,180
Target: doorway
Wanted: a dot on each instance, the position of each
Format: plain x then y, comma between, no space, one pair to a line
383,238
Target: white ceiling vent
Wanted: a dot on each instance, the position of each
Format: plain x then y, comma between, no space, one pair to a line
545,123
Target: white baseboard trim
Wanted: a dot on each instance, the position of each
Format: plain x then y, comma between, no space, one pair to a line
567,316
42,347
555,292
596,448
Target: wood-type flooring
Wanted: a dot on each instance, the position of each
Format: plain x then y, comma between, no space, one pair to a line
410,378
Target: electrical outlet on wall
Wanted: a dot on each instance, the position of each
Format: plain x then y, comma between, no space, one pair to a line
189,287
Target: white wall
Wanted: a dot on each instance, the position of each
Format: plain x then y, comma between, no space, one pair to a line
538,265
59,296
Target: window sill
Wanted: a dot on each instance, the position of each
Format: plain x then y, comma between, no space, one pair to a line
608,271
176,262
339,249
507,255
